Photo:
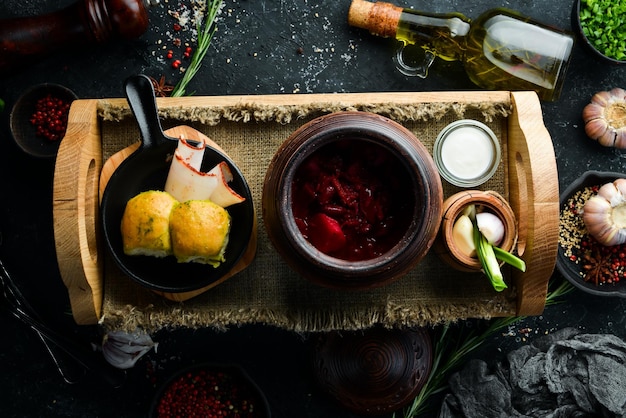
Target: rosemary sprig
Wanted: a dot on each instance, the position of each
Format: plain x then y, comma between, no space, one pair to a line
206,30
454,356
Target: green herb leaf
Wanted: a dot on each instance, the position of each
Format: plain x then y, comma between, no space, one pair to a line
206,30
450,351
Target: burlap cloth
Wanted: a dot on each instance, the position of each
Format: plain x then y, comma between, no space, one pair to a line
268,291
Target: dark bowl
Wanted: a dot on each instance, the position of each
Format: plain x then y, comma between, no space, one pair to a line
147,169
418,191
578,27
376,371
227,377
24,132
570,269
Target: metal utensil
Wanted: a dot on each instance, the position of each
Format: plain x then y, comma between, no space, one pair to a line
19,307
71,371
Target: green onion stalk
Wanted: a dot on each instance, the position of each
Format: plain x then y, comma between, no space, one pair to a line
448,357
206,30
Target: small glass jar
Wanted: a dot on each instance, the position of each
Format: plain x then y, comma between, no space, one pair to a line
467,153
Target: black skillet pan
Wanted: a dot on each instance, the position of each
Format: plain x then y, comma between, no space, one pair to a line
146,169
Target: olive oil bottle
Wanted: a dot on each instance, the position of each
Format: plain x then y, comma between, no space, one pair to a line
500,50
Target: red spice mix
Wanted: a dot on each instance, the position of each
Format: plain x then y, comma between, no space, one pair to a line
210,393
599,264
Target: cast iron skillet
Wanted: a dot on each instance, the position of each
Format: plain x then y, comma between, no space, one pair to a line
146,169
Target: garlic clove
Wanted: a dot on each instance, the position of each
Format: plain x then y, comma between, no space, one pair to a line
122,349
593,111
604,214
463,235
620,139
490,226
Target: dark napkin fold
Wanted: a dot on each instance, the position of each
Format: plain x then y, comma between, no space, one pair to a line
564,374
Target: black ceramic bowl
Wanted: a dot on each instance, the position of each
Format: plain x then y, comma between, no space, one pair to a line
24,132
377,149
194,388
577,24
147,169
570,269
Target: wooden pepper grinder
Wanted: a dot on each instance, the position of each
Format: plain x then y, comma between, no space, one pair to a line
84,22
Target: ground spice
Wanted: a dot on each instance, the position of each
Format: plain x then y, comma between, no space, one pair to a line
599,264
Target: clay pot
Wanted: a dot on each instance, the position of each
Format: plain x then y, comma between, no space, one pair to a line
454,206
423,189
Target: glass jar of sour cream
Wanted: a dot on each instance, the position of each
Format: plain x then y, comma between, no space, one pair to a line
467,153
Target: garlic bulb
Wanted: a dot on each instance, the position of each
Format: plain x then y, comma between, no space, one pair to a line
605,118
605,213
122,349
491,227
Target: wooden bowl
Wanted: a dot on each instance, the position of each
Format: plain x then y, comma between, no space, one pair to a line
454,207
411,183
376,371
24,132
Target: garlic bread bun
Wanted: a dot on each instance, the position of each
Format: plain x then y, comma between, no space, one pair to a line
200,231
145,224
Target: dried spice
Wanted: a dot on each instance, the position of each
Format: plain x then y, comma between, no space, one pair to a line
161,88
209,393
599,264
50,117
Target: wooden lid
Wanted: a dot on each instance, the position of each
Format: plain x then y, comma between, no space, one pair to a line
379,18
376,371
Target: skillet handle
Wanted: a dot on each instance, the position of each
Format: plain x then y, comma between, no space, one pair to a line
142,101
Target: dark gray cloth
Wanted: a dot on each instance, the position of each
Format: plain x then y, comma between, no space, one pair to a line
564,374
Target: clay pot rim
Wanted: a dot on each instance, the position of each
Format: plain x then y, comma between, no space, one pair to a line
453,207
406,147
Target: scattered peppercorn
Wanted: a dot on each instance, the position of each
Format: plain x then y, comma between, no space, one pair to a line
209,393
50,117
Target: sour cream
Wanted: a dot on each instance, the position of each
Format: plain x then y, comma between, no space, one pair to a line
467,153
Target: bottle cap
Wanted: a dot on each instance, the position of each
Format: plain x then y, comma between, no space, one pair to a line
379,18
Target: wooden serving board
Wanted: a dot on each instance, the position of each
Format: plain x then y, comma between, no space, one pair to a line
80,173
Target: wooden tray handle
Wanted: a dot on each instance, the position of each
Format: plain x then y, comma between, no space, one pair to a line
535,198
75,212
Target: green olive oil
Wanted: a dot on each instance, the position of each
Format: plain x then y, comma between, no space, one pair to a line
500,50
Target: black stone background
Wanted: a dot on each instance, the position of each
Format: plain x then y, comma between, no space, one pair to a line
261,47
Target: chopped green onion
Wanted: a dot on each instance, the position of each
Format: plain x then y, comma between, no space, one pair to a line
604,24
